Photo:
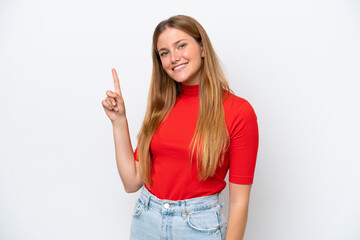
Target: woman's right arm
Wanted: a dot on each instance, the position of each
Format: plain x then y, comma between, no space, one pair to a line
128,168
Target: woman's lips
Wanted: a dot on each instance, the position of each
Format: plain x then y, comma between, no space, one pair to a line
180,68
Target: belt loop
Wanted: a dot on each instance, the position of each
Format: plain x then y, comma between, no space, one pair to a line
183,212
220,199
147,200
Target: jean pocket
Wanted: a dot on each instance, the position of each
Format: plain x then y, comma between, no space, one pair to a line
139,206
204,220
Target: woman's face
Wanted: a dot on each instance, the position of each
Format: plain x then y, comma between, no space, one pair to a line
180,56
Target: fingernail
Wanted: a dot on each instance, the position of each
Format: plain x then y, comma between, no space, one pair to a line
116,109
114,103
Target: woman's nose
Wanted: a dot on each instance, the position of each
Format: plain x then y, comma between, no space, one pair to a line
175,57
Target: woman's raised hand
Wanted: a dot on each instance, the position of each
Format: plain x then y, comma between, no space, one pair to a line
114,103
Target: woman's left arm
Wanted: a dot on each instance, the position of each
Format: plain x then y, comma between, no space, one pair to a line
239,195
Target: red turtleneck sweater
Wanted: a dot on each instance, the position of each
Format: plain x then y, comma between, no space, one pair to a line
173,177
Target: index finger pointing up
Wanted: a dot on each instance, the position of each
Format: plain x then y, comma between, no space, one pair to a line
116,81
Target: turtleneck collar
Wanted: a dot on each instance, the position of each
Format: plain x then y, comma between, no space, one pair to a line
190,90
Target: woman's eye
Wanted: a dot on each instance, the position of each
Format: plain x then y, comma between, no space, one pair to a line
182,45
163,54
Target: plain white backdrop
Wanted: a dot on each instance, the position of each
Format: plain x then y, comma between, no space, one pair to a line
296,62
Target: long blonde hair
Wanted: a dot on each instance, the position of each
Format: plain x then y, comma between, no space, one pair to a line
211,137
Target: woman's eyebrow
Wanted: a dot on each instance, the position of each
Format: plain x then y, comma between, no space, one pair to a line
173,44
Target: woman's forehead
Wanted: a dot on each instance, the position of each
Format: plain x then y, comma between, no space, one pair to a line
171,36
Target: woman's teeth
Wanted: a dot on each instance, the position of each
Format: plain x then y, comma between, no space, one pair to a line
178,67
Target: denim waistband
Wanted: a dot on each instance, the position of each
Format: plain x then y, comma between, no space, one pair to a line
170,206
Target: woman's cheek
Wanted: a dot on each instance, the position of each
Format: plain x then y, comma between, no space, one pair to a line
185,54
165,65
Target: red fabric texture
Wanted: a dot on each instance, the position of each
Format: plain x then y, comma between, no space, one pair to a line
173,177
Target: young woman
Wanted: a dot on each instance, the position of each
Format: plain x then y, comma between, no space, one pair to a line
195,129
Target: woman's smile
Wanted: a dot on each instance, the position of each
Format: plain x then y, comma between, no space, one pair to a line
180,67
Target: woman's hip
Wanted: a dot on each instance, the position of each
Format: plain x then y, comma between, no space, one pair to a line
195,218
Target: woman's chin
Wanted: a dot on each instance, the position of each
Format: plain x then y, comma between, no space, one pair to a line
185,81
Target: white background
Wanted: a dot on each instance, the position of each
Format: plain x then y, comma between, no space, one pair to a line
296,62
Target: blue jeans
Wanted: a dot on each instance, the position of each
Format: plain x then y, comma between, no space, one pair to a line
196,218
